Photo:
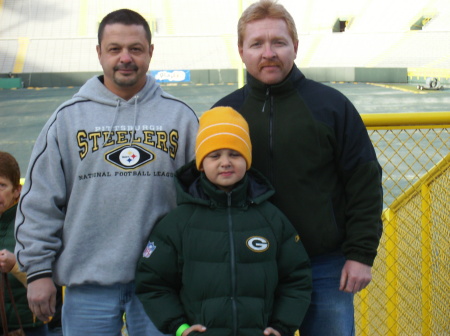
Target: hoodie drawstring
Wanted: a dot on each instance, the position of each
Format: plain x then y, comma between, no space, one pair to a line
116,114
114,122
135,119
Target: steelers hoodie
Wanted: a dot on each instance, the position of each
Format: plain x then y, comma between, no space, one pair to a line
100,175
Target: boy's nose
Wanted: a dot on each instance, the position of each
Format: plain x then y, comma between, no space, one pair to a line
225,162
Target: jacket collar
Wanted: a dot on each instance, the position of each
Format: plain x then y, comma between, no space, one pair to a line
9,214
194,187
235,198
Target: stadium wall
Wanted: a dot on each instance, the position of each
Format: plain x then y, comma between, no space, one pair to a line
216,76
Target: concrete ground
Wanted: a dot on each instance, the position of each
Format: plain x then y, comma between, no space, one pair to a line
23,112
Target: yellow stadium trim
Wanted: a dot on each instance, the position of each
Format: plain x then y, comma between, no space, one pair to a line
21,54
431,119
426,259
428,72
392,271
240,64
396,87
430,176
364,321
169,17
82,22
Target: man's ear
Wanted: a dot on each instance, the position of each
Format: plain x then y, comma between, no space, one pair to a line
99,51
296,48
150,51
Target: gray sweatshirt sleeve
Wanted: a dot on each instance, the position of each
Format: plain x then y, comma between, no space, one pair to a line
41,211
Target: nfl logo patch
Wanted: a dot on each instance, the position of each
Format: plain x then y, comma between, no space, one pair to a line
149,249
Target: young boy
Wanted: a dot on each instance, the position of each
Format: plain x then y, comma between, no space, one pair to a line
225,261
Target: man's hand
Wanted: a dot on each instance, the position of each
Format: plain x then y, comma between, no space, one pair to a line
41,296
195,327
355,276
271,331
7,261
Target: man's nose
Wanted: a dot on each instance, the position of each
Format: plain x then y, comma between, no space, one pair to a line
125,57
268,51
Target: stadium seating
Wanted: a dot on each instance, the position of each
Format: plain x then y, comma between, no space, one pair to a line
60,36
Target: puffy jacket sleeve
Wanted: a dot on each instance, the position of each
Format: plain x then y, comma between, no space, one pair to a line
293,293
158,276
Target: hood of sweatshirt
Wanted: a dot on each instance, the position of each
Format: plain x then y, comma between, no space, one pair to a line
95,90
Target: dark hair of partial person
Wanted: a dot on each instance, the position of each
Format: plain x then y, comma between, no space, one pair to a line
126,17
9,169
266,9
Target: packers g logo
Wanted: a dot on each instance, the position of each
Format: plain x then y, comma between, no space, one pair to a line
257,244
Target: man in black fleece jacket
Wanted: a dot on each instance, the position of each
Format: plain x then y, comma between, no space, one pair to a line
311,143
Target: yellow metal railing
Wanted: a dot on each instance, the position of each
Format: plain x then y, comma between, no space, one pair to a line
410,291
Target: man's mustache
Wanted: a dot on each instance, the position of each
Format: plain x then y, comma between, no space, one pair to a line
126,67
267,64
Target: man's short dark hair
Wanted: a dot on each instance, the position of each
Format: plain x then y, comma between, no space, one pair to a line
126,17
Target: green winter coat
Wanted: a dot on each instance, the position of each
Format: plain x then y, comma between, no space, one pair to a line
8,242
229,261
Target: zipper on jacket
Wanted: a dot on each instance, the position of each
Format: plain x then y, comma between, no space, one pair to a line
232,267
265,99
271,117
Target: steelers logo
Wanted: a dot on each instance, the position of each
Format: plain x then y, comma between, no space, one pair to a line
129,157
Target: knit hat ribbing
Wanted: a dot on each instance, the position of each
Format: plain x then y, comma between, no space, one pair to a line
222,127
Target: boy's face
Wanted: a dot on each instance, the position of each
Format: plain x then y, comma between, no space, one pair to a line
224,168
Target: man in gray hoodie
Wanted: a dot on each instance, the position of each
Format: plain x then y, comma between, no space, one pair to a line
100,175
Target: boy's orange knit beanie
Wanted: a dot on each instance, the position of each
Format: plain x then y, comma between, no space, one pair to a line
222,127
